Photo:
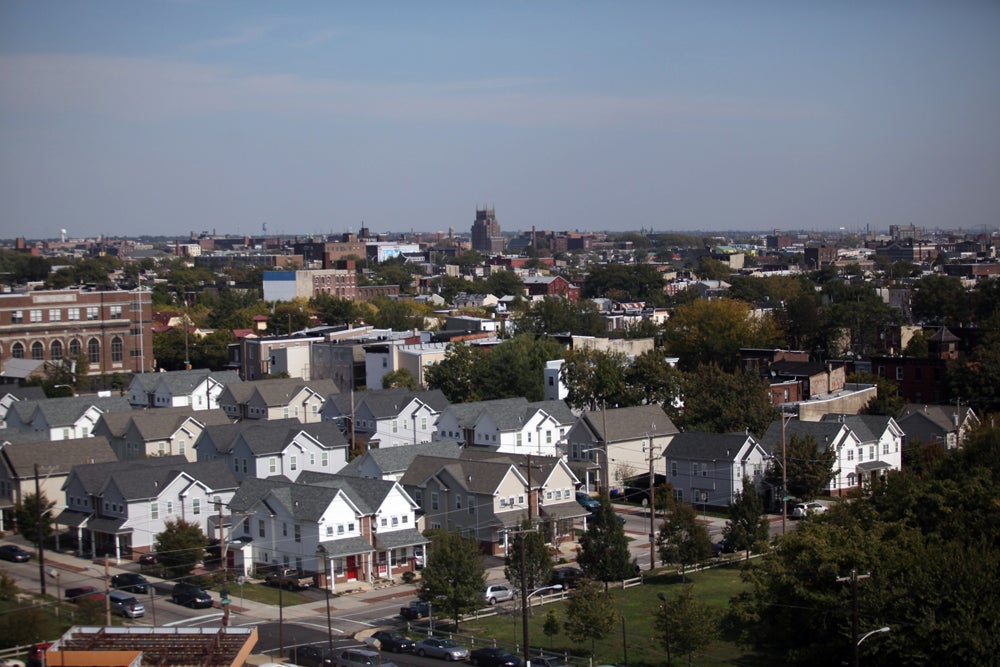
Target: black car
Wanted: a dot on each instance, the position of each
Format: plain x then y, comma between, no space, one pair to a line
635,494
312,656
390,640
14,553
148,559
131,582
567,577
190,595
416,609
722,547
494,657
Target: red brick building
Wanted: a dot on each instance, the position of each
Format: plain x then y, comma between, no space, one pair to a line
111,329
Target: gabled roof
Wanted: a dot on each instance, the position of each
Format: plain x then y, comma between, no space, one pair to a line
398,459
182,383
309,497
280,392
476,476
386,403
942,415
559,411
823,432
868,428
146,381
631,423
56,457
695,446
161,423
23,393
67,410
510,414
139,479
263,438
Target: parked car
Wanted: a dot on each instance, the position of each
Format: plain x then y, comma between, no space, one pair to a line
78,593
494,657
148,559
635,494
289,578
191,596
361,657
566,576
131,582
436,647
126,605
498,593
14,553
802,510
416,609
312,656
587,501
390,640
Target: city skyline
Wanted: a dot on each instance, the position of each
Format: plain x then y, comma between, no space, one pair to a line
171,117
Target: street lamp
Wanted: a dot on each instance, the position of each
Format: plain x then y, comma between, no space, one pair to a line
525,605
321,553
857,647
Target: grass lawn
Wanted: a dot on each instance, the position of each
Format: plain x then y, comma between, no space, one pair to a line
637,606
264,594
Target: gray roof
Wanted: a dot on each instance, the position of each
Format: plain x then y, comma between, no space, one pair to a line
139,479
308,499
160,423
386,403
56,457
823,432
147,381
181,383
12,437
20,368
942,415
632,423
224,436
396,539
868,428
510,414
23,393
695,446
398,459
477,476
264,438
67,410
282,391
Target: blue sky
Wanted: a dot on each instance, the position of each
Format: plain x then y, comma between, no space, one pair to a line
170,116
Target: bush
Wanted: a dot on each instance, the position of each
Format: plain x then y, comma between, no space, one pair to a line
409,576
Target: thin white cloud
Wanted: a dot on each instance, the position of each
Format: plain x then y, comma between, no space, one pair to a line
152,90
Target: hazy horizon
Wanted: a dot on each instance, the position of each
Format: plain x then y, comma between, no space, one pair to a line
168,116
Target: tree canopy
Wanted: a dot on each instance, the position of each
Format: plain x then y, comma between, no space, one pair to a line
713,331
810,468
454,576
604,554
179,547
747,526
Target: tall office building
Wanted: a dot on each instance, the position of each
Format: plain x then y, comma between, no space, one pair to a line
486,232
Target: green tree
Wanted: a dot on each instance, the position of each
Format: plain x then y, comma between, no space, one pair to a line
604,554
652,380
885,401
8,587
28,626
552,626
454,576
515,367
747,527
917,346
504,283
536,559
625,282
685,625
682,539
719,402
810,468
179,547
594,378
34,517
397,315
938,299
713,331
333,310
590,614
977,379
457,375
554,315
401,378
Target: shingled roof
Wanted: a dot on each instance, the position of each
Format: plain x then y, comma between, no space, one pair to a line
139,479
65,411
695,446
631,423
398,459
386,403
56,457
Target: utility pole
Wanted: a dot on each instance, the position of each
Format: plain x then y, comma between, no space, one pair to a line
107,591
224,563
652,512
39,538
784,474
523,583
854,578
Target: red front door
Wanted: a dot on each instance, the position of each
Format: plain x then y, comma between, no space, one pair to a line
352,567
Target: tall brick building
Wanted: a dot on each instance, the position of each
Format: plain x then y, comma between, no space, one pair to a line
112,329
486,236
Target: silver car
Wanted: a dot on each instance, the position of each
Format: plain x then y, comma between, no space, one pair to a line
498,593
126,605
437,647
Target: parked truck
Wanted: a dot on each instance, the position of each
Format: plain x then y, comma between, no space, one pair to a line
288,578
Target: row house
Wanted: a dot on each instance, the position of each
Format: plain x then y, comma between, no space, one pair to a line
386,418
194,389
946,425
486,496
867,446
276,399
392,463
347,529
508,425
46,464
63,418
13,394
267,449
164,432
618,444
117,509
708,468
